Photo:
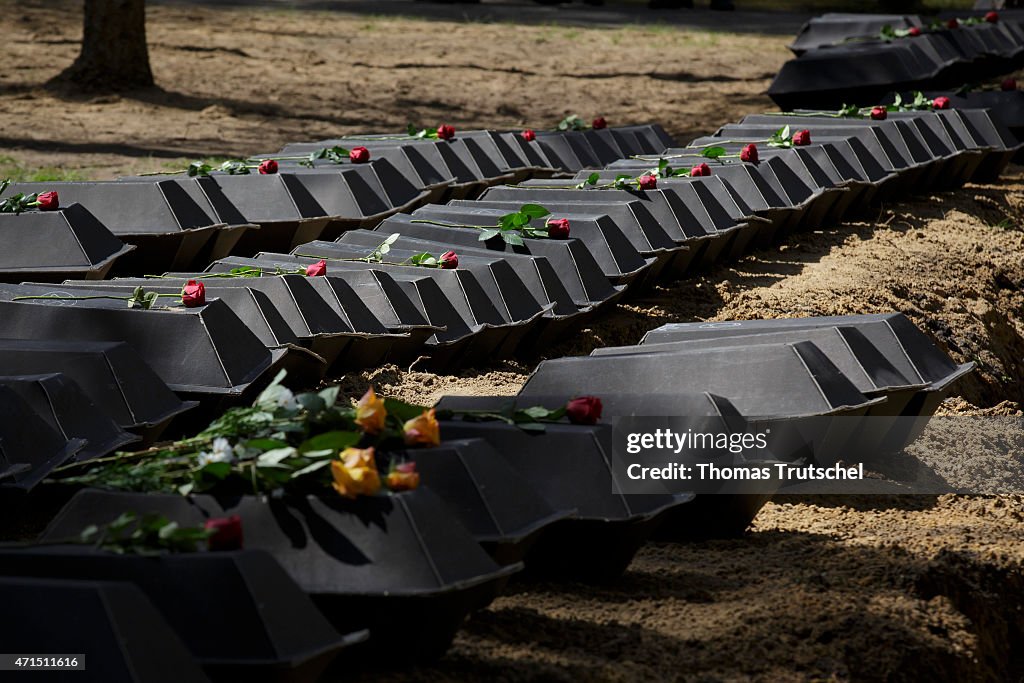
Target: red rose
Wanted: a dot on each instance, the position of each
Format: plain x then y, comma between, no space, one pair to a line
268,167
529,135
1009,84
227,533
699,170
913,31
316,269
193,294
558,228
648,182
940,103
449,260
952,23
585,410
992,17
879,113
445,132
599,123
47,201
749,153
359,155
802,138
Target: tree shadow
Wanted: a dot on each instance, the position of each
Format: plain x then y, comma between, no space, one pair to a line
612,15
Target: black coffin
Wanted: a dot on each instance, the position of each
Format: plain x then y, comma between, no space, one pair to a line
238,613
29,448
62,404
400,565
111,374
168,228
122,636
55,245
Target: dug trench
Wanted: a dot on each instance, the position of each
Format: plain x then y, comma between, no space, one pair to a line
820,588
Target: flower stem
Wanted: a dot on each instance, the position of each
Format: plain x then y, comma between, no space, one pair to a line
454,225
152,173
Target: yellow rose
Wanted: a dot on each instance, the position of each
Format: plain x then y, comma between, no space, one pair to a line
403,477
423,430
355,473
370,413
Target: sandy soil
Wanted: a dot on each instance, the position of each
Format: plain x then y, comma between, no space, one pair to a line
854,588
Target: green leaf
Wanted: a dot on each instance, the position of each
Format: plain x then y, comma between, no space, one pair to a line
490,233
534,211
713,152
334,441
392,238
330,395
265,444
217,470
401,410
275,457
513,238
519,220
536,412
311,402
309,469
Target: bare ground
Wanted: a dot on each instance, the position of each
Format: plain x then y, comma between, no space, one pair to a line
854,588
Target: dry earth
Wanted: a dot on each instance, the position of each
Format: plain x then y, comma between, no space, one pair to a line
854,588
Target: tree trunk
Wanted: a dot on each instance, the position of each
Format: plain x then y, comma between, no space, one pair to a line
114,55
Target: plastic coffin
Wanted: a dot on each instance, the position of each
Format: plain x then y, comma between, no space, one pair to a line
618,259
644,233
835,28
725,514
54,245
62,404
571,260
400,565
935,139
499,506
121,635
204,352
908,349
435,163
704,217
358,195
849,350
281,310
238,613
896,145
863,72
29,447
821,166
473,327
168,228
512,281
791,388
111,374
769,189
571,467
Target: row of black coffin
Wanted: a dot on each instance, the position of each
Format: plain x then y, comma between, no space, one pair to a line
170,227
501,299
409,568
832,70
148,225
